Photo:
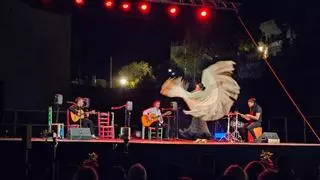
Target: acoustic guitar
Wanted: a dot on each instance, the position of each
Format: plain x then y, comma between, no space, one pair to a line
147,120
80,115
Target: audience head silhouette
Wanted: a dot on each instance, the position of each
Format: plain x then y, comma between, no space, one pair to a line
235,172
267,175
253,169
137,172
86,173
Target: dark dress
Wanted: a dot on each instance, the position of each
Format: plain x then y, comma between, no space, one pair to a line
197,130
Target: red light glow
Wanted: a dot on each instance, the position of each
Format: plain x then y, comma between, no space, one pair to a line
79,2
125,6
173,10
203,13
108,3
144,7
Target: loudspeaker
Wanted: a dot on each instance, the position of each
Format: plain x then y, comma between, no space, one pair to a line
269,137
86,102
58,99
80,133
129,106
174,105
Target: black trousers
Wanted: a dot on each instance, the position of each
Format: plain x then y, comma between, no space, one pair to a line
249,127
88,123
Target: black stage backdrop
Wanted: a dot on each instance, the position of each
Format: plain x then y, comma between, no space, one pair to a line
35,54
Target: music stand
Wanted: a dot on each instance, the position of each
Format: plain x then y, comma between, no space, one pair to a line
235,135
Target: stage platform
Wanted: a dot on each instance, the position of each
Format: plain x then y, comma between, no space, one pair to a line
165,142
211,157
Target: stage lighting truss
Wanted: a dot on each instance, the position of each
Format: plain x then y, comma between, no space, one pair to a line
212,4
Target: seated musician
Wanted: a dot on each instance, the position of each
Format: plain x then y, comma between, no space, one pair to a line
254,117
155,111
82,115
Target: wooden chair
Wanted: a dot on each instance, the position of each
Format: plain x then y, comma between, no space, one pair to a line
152,132
257,131
106,125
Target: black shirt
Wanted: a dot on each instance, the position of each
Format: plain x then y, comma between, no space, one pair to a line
257,109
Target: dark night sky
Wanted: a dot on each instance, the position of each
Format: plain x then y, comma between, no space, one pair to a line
98,33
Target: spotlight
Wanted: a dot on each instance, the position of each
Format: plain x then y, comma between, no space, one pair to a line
125,6
169,70
173,11
79,2
123,81
108,3
144,7
260,48
203,13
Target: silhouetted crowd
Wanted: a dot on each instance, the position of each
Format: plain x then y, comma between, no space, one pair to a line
255,170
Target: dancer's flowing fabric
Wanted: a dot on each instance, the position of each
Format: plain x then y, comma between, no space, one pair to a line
215,101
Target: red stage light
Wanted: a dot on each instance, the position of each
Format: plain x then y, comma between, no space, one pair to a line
203,13
144,7
173,10
79,2
125,6
108,3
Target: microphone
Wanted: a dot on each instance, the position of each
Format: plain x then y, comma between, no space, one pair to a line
70,102
167,109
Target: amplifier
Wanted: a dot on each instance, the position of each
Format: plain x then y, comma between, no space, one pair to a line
269,137
80,133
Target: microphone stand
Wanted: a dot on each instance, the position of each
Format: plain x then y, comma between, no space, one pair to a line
177,123
127,124
57,113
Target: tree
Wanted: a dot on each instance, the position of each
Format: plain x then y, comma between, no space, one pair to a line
134,73
190,55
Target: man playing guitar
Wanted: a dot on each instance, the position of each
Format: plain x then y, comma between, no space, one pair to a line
80,113
153,117
254,119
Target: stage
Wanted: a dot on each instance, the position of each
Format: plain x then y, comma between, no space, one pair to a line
212,157
136,141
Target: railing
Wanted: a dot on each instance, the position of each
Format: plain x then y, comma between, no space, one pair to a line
13,120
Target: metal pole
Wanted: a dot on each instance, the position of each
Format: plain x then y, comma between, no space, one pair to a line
111,85
194,70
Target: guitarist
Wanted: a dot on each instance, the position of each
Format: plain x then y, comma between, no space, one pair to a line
79,107
254,119
155,110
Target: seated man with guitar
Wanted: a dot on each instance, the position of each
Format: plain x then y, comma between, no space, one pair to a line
80,114
153,117
254,119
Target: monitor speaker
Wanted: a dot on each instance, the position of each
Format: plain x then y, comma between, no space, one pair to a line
80,133
269,137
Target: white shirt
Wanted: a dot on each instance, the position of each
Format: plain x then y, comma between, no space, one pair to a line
153,110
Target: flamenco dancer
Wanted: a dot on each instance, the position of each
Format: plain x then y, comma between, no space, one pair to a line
210,101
